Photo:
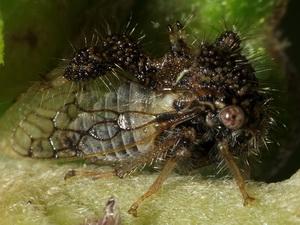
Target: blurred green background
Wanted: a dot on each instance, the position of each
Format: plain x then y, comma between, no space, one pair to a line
287,160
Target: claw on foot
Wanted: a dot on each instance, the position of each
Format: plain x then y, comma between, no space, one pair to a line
133,211
68,175
248,200
92,175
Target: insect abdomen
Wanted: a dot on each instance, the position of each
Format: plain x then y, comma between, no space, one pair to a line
122,123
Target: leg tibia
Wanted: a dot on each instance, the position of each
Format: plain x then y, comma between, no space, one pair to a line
223,150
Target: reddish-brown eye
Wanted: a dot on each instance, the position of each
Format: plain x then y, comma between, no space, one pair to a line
232,117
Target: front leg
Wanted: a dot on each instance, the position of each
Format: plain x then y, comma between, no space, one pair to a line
180,154
223,149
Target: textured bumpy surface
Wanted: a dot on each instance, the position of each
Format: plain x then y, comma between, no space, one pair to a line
92,62
35,194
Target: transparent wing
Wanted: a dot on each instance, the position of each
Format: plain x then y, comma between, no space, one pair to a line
88,122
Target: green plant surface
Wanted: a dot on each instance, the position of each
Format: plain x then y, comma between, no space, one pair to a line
34,192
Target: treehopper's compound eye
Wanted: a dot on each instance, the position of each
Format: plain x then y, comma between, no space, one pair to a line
232,117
